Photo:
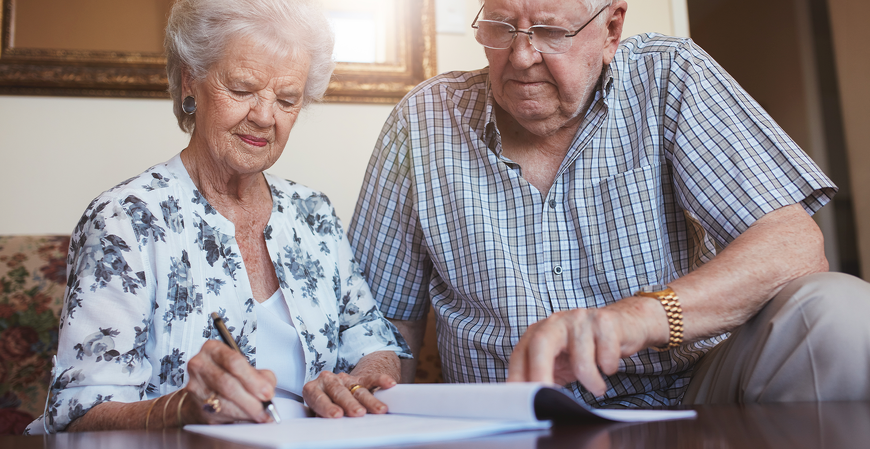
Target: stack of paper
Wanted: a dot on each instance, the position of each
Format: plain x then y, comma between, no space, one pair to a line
426,413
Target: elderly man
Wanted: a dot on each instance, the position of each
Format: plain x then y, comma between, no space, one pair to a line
603,215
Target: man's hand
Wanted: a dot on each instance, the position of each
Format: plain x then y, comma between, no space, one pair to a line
582,344
722,294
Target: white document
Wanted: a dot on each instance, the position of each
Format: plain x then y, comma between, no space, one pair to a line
288,408
510,401
368,431
423,413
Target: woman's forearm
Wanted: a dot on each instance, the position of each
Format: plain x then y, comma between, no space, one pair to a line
159,413
377,363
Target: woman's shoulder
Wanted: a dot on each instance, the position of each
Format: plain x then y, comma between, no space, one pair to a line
154,179
303,205
148,190
284,189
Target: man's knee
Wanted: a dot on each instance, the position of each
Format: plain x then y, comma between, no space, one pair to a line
829,282
811,342
835,299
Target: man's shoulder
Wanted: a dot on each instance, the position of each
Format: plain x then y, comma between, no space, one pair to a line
450,84
651,44
658,56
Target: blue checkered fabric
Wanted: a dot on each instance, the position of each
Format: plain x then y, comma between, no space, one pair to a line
672,162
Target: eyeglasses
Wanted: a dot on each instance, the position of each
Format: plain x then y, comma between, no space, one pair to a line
543,38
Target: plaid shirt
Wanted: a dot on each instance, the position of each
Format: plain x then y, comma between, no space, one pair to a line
672,161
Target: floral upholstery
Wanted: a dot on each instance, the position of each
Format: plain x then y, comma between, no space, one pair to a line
32,283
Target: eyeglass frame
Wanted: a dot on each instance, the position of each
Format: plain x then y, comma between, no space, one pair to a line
529,33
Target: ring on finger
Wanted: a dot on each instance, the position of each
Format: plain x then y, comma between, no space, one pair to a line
212,404
354,387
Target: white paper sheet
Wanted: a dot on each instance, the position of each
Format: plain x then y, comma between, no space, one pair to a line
289,409
425,413
368,431
634,415
508,401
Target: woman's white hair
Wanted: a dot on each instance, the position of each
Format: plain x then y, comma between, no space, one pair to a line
199,31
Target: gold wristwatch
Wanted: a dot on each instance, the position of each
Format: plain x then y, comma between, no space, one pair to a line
671,303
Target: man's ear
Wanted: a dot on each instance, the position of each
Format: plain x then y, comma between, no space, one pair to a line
615,20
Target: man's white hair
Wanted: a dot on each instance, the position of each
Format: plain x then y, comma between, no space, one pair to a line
591,6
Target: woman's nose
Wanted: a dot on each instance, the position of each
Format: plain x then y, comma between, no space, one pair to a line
262,113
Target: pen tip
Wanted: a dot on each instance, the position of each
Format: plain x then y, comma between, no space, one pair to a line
273,412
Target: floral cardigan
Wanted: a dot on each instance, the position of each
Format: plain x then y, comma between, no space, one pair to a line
151,259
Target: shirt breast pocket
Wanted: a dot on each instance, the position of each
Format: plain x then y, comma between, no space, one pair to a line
624,233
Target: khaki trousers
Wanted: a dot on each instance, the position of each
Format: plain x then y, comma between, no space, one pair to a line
811,342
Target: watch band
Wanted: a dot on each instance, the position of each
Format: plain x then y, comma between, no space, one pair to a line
671,303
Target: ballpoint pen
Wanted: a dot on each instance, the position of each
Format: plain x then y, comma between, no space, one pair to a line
228,339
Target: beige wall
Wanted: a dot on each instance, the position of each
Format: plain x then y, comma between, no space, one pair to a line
849,29
778,71
59,153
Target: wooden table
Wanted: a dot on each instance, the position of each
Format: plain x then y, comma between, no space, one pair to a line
793,426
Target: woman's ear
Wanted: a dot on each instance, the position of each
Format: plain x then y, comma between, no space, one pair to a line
187,84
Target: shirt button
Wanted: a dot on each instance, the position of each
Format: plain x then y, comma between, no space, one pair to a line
557,270
553,204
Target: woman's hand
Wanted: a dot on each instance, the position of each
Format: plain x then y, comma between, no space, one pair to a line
329,395
239,388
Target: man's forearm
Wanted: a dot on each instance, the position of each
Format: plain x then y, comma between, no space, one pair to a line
581,344
730,289
413,332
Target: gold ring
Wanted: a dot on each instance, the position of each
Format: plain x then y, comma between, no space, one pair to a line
354,387
212,404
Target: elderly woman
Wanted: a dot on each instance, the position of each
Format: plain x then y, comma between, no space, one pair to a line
209,231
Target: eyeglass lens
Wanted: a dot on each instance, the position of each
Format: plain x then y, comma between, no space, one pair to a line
544,38
500,35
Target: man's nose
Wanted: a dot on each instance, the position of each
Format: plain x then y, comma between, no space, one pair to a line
523,53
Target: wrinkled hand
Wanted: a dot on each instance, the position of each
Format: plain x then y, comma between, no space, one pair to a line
241,388
329,395
582,344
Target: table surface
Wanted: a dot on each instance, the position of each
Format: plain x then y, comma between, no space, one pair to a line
798,425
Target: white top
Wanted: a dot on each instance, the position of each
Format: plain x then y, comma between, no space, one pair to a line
278,347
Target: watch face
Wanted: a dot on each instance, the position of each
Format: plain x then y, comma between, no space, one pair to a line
653,288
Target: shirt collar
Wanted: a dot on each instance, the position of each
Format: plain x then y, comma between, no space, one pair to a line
606,81
490,131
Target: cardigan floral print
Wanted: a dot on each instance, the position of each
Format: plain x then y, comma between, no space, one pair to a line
150,260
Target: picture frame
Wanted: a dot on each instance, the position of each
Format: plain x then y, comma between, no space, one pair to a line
142,74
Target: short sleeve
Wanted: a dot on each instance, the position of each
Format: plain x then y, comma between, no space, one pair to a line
385,233
732,163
